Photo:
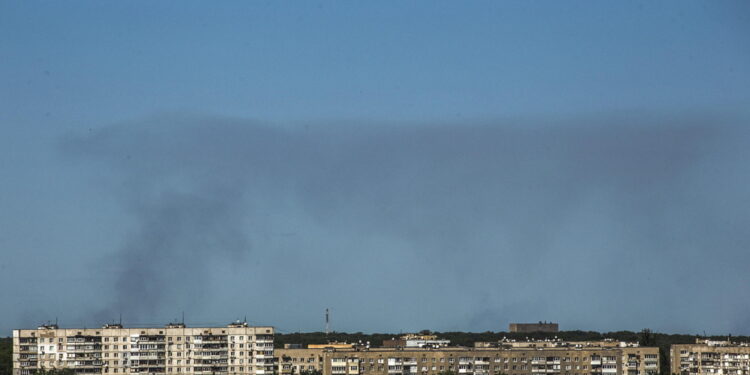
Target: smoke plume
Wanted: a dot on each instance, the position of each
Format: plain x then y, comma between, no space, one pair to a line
575,220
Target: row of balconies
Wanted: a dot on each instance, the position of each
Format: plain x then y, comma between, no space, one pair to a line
84,339
88,347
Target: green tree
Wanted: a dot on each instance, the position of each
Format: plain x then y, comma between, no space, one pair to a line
6,354
647,338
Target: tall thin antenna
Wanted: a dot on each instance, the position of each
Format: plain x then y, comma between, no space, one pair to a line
328,324
183,318
120,319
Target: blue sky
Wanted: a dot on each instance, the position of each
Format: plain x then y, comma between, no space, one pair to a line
411,165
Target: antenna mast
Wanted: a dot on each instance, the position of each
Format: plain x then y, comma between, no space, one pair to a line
328,325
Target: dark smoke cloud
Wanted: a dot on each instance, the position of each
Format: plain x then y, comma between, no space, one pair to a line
607,215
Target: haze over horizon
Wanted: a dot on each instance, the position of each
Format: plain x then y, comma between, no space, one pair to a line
421,165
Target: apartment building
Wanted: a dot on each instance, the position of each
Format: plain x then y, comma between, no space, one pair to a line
529,360
710,357
237,349
296,361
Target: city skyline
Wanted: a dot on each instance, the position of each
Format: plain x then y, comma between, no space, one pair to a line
417,165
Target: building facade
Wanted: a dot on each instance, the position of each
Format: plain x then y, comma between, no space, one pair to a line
560,360
237,349
710,357
296,361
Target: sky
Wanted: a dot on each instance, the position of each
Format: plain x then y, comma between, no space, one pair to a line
411,165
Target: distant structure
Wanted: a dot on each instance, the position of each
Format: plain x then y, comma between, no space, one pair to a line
547,327
237,349
328,322
416,341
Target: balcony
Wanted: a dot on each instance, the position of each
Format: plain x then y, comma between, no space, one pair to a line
151,356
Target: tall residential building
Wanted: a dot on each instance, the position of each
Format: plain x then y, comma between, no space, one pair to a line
560,359
237,349
710,357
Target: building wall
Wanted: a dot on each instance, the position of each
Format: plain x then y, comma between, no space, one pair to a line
491,361
717,358
296,361
239,350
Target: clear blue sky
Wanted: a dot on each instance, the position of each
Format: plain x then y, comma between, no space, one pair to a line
411,165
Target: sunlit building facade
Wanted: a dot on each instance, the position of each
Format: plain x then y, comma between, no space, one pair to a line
237,349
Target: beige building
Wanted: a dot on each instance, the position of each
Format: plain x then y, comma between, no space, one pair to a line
558,360
236,349
297,361
710,357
